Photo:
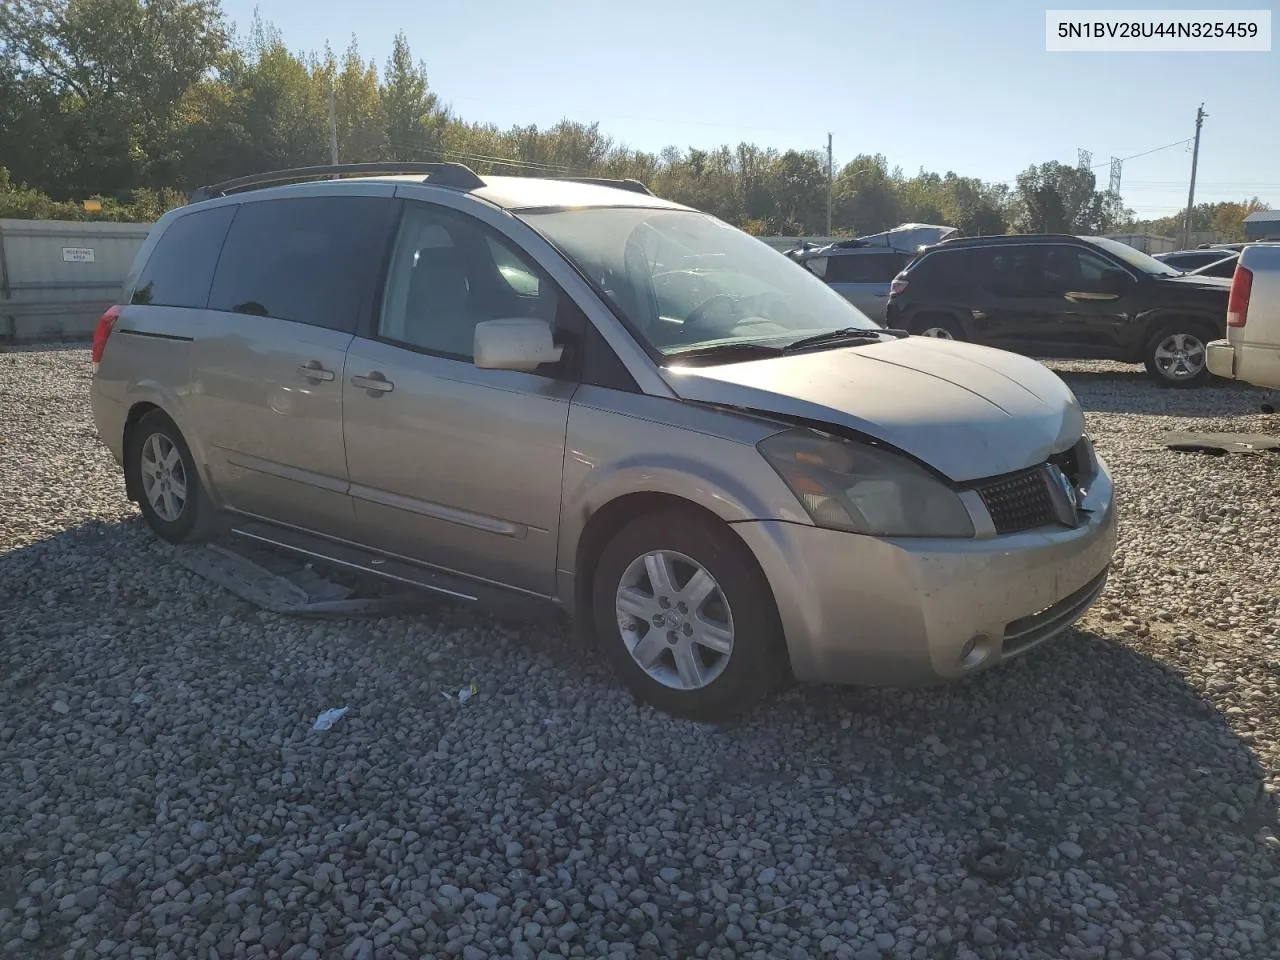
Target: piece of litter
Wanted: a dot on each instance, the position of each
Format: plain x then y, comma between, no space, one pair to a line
329,718
466,693
139,699
550,721
446,694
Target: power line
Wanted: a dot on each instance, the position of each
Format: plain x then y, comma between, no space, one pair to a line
1132,156
1147,153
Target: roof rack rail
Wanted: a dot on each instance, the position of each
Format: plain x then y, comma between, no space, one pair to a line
635,186
442,174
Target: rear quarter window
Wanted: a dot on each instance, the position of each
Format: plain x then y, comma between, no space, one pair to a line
179,271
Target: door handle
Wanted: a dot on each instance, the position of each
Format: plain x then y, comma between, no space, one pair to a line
375,382
312,370
1076,296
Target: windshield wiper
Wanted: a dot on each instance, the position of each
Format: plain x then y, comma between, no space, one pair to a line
834,336
726,351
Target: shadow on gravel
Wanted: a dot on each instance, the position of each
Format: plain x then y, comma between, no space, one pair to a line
1096,774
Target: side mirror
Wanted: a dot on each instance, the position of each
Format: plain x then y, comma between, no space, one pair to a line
520,343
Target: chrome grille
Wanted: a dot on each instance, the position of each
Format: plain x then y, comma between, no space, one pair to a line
1020,502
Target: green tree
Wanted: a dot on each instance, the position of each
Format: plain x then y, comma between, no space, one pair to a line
106,77
1056,198
415,118
361,124
865,198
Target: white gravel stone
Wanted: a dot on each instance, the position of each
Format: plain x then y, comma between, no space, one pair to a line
162,795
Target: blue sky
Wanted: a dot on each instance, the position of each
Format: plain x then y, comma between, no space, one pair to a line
959,85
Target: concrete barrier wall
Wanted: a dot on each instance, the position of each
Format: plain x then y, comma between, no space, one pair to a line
57,276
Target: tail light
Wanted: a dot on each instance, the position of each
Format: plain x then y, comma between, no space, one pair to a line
898,286
1238,302
101,332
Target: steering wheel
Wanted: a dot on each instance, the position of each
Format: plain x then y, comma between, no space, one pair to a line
699,313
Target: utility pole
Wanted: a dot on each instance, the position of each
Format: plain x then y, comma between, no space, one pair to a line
829,181
1191,194
333,128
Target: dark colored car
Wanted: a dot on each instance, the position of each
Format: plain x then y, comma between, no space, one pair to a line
1064,297
1203,263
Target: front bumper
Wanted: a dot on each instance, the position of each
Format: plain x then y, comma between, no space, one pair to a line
906,612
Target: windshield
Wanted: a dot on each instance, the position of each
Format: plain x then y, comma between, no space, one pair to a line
686,281
1134,257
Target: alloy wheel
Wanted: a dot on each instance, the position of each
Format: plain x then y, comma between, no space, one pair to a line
1180,356
164,478
674,620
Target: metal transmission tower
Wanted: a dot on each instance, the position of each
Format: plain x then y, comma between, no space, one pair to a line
1115,176
1084,159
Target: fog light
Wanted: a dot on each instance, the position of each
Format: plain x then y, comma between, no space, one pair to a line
975,651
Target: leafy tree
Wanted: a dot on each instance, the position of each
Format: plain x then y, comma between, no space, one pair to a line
865,197
361,125
415,119
105,77
1056,198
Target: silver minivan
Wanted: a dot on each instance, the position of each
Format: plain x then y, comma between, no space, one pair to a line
582,394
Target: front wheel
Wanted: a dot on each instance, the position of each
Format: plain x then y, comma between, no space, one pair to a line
1176,356
939,328
685,616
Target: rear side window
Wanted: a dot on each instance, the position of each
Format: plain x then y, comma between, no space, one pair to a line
180,269
313,260
865,268
954,271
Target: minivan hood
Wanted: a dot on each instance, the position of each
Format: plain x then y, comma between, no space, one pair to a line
968,411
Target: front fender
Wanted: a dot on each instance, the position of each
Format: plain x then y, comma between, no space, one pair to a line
623,446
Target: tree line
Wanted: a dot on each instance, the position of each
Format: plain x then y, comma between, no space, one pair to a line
135,102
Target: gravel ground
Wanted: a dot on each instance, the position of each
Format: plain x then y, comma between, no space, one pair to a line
163,794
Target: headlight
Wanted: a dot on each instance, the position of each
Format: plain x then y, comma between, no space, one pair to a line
862,489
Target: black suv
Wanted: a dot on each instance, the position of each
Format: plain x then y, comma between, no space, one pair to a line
1065,297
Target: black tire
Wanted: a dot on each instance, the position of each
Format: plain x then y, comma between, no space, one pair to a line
935,321
197,518
757,663
1169,331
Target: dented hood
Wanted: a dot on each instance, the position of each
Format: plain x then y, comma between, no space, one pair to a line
909,237
968,411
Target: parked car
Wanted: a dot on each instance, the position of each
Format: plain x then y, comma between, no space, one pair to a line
1251,350
489,385
1202,263
1066,297
862,269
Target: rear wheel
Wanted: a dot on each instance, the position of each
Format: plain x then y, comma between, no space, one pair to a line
170,495
938,327
1176,356
685,616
